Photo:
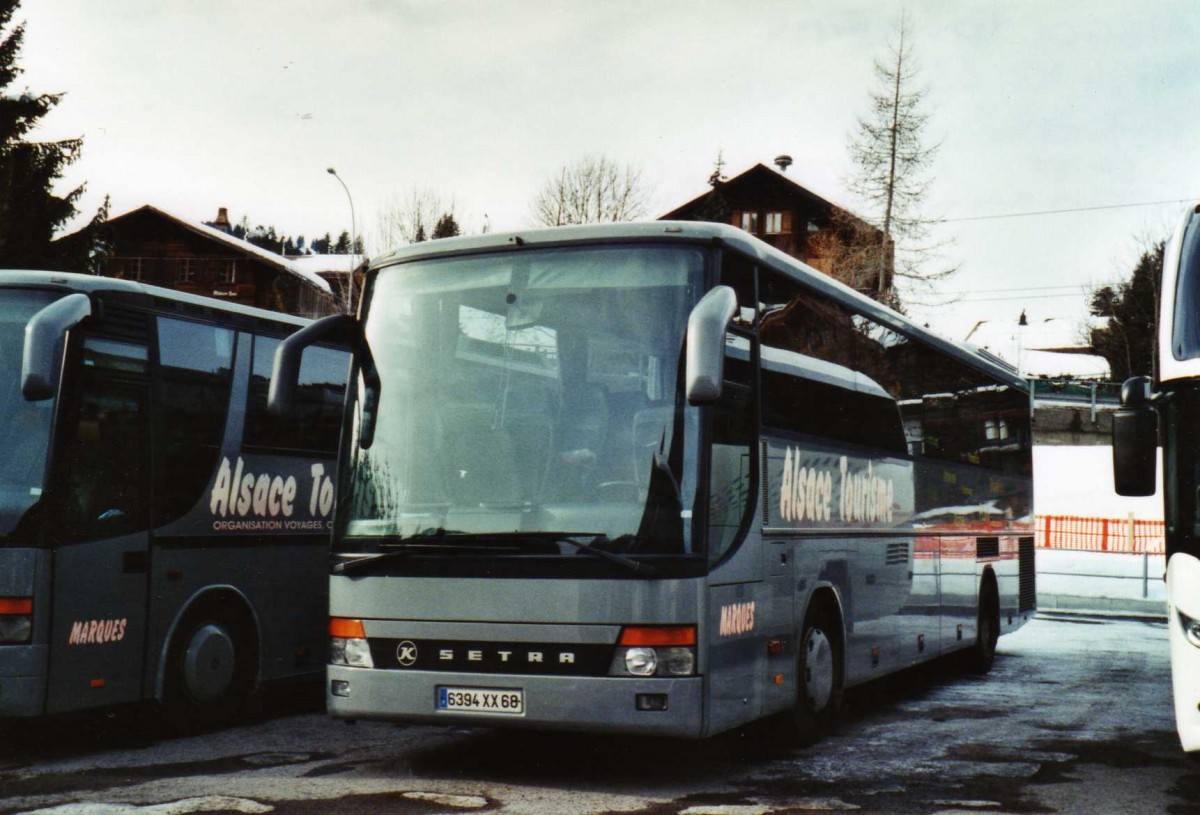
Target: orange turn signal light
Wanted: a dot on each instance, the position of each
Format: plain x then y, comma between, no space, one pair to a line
658,635
346,629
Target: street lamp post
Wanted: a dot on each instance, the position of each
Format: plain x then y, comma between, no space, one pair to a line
349,292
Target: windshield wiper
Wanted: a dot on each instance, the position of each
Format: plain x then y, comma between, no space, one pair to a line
591,548
393,552
419,543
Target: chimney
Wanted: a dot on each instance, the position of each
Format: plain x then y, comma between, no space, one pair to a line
783,162
222,222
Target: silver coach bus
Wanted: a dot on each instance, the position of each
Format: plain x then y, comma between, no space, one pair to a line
1163,411
161,537
657,478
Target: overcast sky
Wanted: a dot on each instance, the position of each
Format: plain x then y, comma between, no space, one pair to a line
1038,106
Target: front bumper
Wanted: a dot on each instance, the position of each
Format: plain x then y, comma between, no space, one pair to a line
592,704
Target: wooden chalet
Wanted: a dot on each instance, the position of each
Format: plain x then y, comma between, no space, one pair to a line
774,208
155,247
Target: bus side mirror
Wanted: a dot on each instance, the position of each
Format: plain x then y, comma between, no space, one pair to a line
43,341
1135,439
285,369
706,344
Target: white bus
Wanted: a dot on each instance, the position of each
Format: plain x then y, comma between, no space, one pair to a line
657,478
161,537
1172,400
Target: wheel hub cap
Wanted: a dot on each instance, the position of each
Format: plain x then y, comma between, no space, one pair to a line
208,663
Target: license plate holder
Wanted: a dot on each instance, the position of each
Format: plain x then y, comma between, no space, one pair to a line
486,701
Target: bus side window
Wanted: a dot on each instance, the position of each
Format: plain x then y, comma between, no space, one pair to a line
732,471
316,425
103,460
195,375
737,273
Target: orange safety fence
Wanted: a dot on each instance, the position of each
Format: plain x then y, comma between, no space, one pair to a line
1123,535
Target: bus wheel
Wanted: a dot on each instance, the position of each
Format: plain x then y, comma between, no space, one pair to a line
819,686
981,655
209,668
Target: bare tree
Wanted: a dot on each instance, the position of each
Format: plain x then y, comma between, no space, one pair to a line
892,172
851,250
411,218
592,190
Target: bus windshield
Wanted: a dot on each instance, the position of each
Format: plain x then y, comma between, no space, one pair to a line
25,432
528,401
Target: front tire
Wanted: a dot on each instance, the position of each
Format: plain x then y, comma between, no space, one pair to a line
982,655
210,668
819,679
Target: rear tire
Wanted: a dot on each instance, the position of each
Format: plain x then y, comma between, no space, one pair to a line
210,668
980,657
819,677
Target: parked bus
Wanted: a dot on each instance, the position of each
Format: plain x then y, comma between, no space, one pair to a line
1172,400
657,478
161,537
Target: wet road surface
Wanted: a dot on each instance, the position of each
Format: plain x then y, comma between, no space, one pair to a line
1075,718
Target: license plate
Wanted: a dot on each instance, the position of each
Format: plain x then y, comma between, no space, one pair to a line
481,700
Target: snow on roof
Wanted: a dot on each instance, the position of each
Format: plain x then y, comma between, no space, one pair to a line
246,247
329,264
1056,364
1038,348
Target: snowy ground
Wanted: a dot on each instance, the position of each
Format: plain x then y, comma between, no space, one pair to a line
1078,481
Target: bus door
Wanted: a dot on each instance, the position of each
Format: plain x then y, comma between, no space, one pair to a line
737,656
100,504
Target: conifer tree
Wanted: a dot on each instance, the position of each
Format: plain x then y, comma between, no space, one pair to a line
446,227
1131,311
30,209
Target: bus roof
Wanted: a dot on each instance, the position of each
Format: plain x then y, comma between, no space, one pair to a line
712,234
92,284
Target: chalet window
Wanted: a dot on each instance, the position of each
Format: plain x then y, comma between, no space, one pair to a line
127,268
185,271
995,429
750,222
227,271
774,223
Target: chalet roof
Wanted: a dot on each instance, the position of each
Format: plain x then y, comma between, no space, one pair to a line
764,174
237,244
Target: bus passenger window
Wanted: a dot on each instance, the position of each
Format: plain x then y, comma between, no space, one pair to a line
737,272
321,391
104,460
195,376
731,478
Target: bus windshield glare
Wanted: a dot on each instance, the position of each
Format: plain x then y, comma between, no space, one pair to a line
25,434
527,397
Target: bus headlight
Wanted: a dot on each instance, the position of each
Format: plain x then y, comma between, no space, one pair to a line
348,644
16,620
656,651
1191,629
641,661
